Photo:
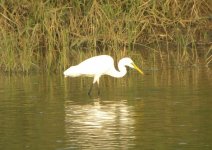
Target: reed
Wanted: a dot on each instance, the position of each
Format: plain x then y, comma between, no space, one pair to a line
51,35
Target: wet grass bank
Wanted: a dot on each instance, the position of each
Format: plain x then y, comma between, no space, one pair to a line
51,35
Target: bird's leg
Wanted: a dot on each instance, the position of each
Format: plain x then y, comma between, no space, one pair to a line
98,89
97,81
89,92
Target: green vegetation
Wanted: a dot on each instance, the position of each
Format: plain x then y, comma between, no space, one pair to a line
51,35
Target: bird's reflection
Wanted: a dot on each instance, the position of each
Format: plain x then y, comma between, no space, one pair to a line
99,123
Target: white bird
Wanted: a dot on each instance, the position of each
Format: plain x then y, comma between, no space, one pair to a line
100,65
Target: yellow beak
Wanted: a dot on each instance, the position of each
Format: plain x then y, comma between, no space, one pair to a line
139,70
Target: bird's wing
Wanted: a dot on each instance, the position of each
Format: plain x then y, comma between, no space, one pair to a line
96,65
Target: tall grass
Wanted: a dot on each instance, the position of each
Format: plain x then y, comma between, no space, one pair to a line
51,35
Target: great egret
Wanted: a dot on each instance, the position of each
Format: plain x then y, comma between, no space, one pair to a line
100,65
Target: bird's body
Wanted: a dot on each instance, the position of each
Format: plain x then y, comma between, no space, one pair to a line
87,67
98,66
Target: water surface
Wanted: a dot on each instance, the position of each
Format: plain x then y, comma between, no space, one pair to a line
167,109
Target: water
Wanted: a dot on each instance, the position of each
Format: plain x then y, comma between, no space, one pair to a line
162,110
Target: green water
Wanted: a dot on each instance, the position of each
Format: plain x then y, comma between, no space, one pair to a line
161,110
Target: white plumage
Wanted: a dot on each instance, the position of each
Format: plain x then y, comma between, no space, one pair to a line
98,66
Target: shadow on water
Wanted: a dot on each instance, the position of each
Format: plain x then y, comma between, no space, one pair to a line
167,109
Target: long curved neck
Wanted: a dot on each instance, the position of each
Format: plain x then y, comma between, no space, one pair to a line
122,70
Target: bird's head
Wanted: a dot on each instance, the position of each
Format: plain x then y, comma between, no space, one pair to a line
129,62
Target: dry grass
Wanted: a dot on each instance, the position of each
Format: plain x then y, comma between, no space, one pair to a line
51,35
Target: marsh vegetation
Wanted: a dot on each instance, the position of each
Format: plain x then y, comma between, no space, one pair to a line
51,35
